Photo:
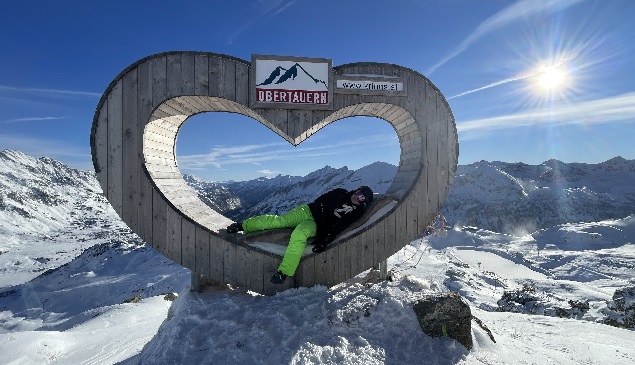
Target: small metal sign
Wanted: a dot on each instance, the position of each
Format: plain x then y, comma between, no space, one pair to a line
291,82
370,85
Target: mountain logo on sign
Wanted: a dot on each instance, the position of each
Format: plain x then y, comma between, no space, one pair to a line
281,75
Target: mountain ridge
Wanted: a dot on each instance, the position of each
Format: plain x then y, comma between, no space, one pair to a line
497,196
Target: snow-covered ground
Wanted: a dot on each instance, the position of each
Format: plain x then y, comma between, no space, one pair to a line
77,287
77,315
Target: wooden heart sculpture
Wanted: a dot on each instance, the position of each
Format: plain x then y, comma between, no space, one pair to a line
133,147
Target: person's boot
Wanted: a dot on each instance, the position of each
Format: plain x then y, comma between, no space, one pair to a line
235,227
278,278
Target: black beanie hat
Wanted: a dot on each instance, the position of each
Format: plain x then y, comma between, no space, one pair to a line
368,193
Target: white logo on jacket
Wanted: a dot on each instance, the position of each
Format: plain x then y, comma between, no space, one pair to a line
345,209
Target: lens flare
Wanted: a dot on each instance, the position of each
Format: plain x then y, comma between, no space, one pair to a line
551,78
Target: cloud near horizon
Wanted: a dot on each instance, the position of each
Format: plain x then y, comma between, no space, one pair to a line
63,151
620,108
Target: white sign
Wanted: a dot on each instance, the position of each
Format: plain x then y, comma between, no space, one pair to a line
293,82
369,85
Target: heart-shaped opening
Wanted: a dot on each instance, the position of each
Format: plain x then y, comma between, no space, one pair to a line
168,119
228,149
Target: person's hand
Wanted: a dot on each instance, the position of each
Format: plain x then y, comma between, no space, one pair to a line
320,246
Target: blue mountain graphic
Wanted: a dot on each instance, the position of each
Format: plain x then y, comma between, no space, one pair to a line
278,77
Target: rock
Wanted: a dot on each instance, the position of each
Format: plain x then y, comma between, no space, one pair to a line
446,315
620,311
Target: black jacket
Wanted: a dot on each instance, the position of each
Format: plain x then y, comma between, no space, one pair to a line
333,212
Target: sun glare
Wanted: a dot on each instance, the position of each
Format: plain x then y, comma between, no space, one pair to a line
551,78
550,81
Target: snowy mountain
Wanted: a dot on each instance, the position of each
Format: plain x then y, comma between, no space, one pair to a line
498,196
216,196
281,193
510,197
78,287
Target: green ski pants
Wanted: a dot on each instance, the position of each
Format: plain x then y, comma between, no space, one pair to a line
300,219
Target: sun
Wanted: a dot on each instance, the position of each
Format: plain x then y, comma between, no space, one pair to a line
551,78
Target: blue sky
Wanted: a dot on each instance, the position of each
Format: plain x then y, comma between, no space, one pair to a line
489,58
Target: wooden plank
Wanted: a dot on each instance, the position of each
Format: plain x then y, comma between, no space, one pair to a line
412,212
316,117
147,151
174,75
159,223
201,74
173,107
379,239
216,255
208,102
401,225
203,264
216,74
403,120
196,103
187,103
306,272
241,83
159,160
188,77
321,268
332,265
368,255
173,240
280,120
152,135
159,80
188,239
241,272
115,147
299,122
132,150
159,148
255,272
356,262
100,141
164,168
393,112
406,131
389,231
345,261
230,263
165,124
228,86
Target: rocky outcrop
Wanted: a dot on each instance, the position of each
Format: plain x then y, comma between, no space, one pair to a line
445,316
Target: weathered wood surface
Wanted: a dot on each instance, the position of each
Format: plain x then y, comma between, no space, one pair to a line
133,147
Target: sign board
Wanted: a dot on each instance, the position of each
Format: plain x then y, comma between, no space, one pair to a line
291,82
370,85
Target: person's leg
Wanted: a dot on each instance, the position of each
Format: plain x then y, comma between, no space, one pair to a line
268,221
297,243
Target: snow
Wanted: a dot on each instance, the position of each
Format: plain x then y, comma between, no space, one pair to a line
77,287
